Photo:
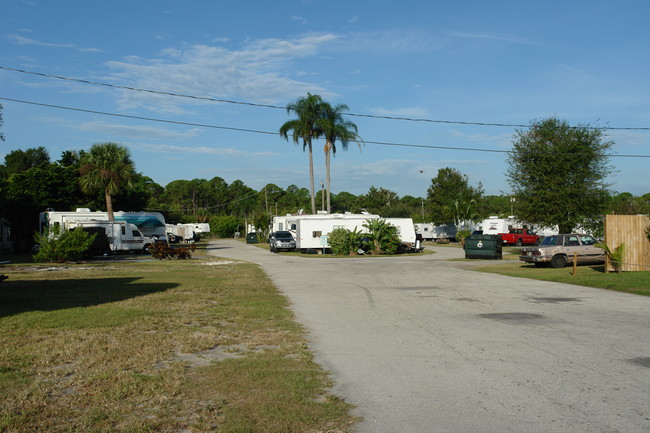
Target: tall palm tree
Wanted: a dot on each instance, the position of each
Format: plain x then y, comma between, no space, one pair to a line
305,127
335,127
107,167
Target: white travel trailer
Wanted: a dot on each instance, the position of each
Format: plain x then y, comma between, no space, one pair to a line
495,225
150,224
112,236
181,232
201,227
425,230
311,231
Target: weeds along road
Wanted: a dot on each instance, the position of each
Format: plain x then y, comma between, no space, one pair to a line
420,345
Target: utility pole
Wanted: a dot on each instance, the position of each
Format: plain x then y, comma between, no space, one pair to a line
322,195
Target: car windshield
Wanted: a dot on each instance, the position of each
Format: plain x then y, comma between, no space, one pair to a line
283,235
549,241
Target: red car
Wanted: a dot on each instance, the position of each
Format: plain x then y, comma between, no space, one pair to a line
520,237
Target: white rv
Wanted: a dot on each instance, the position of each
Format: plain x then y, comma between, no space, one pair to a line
112,236
311,231
181,232
425,230
150,224
495,225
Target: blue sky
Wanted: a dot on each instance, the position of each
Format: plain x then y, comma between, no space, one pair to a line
507,62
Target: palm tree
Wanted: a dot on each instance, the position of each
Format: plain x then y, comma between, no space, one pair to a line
334,128
305,127
107,167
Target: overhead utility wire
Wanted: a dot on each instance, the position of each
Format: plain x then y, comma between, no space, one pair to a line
202,125
251,104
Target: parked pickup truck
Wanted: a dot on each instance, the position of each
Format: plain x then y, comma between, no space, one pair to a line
520,237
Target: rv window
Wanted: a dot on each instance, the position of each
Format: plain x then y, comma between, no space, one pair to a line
123,230
293,226
136,233
316,234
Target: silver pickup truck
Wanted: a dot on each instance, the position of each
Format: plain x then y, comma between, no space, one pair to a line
558,250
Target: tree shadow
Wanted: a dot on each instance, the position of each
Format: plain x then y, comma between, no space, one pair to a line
49,295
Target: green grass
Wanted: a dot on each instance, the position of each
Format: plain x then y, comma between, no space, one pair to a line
591,276
156,346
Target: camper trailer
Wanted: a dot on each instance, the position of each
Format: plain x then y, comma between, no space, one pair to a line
180,232
150,224
311,231
495,225
425,230
112,236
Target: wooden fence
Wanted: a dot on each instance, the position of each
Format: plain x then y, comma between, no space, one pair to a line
629,230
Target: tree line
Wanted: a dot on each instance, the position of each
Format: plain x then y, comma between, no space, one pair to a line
556,171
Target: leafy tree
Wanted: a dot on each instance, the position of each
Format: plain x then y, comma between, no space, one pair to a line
450,190
345,202
335,127
305,127
18,161
224,226
557,173
107,167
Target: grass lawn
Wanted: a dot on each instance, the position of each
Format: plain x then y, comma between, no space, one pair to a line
196,345
591,276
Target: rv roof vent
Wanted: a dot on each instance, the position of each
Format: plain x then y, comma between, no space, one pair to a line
83,209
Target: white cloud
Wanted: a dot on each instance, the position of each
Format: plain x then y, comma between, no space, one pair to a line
400,112
258,72
204,150
137,131
21,40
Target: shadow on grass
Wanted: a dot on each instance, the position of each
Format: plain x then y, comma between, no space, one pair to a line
49,295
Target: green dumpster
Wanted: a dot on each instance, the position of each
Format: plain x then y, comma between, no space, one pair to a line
483,247
252,238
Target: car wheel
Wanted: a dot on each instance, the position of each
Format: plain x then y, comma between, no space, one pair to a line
559,261
519,242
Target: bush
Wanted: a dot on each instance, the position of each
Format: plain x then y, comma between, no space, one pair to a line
60,247
162,251
461,235
383,237
339,240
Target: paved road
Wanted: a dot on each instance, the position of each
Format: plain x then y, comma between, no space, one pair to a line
419,344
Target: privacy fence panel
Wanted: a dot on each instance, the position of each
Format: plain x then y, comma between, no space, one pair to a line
631,231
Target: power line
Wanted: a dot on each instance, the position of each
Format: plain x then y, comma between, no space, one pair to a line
251,104
255,131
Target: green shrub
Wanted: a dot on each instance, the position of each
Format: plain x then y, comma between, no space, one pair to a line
461,235
339,240
383,237
60,247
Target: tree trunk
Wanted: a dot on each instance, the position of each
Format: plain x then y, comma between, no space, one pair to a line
311,179
109,206
327,175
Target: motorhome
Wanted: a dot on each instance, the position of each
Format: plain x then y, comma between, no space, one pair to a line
112,236
150,224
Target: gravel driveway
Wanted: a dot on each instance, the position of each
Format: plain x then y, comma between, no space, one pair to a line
420,344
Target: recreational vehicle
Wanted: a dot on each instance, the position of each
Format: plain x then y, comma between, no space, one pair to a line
112,236
150,224
311,231
181,232
495,225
